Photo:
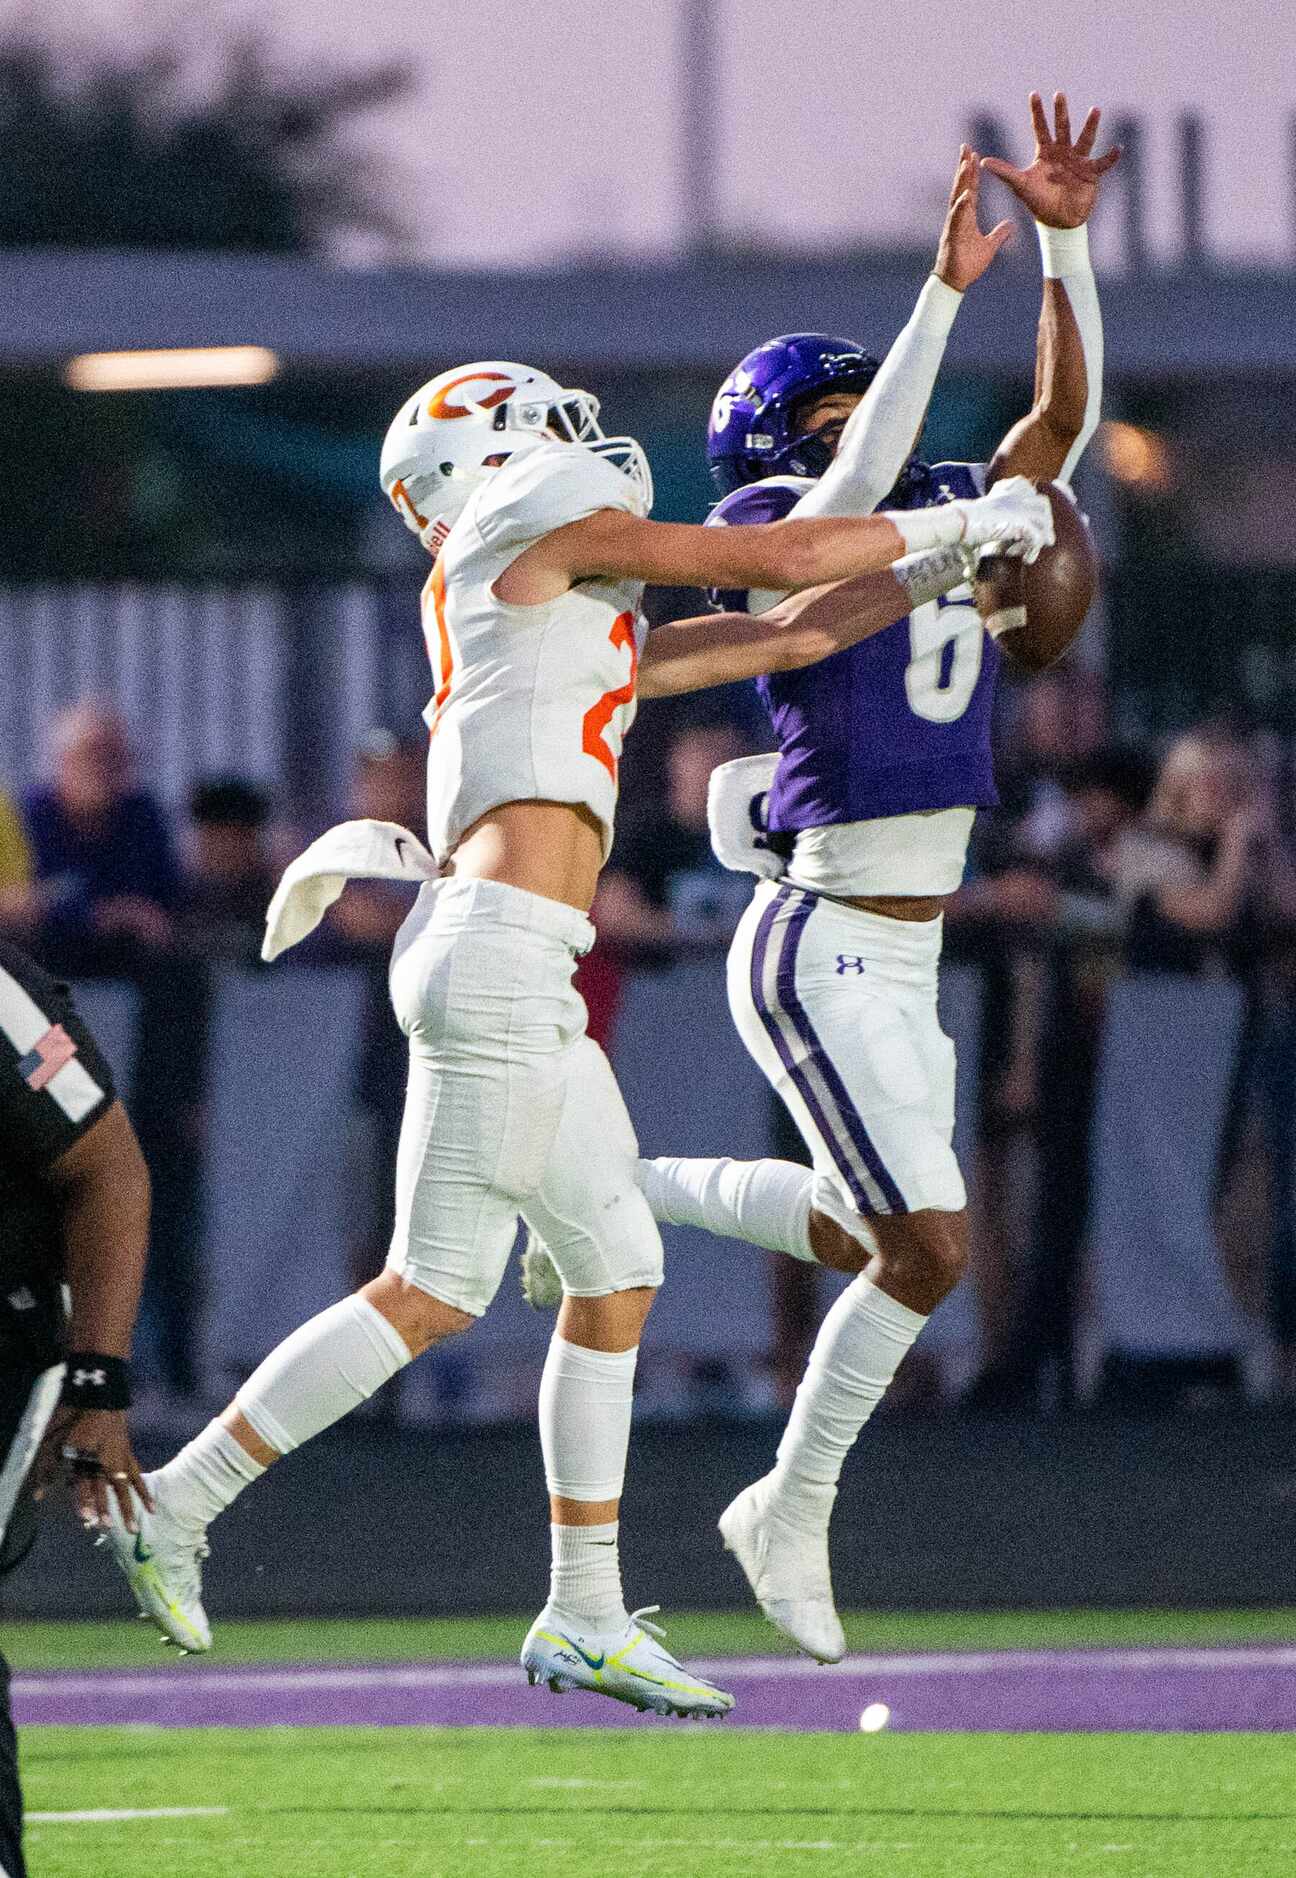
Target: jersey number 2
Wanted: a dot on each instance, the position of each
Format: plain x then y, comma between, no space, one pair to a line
944,660
595,723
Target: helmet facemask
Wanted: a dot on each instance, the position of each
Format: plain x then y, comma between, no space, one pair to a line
573,418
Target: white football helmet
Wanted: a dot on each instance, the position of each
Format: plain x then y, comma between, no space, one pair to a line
460,426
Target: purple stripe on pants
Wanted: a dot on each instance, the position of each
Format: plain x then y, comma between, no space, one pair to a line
848,1121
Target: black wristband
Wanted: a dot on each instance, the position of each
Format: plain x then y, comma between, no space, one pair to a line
96,1382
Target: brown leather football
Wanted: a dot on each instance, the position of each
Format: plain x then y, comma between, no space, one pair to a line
1057,589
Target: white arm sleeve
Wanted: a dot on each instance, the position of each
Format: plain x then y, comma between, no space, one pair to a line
879,438
1065,254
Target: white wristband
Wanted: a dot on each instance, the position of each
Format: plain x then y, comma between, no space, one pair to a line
1063,250
938,305
944,526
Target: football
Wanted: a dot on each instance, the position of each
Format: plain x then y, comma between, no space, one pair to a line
1056,590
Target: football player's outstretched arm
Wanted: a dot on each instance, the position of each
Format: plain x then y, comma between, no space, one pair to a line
722,648
880,433
1059,188
786,556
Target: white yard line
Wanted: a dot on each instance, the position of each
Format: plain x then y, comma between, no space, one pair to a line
557,1783
108,1815
733,1669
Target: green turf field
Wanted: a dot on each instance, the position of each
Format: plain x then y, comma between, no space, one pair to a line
688,1801
453,1803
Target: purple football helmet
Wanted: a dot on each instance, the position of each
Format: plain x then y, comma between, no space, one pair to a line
753,430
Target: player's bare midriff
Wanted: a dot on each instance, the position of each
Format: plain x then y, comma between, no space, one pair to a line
899,906
554,849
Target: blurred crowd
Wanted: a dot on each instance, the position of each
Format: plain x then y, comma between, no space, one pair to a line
97,881
1105,859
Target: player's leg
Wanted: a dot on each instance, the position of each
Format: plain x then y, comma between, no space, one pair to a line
607,1247
838,1008
328,1366
779,1206
465,1110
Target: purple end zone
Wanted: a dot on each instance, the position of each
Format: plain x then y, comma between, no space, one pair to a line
1048,1691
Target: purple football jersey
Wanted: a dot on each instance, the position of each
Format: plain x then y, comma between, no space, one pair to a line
896,724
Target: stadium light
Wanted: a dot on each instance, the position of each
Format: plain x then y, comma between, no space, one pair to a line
1138,456
179,368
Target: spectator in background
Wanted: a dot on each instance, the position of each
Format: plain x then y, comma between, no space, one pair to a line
106,880
1210,884
1205,865
388,785
103,904
1002,922
664,891
1043,917
1060,720
1109,792
664,895
229,876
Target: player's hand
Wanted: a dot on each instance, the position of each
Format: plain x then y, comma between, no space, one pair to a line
92,1448
965,253
1014,515
1061,186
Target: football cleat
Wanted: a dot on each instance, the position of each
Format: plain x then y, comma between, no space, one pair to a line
630,1665
541,1286
787,1568
162,1566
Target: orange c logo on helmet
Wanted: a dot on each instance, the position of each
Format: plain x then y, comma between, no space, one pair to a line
437,407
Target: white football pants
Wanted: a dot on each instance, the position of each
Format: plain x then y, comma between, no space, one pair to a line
838,1008
511,1109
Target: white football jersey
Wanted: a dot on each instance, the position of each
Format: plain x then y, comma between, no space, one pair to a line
531,702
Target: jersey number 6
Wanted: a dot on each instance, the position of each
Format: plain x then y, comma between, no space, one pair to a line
596,720
945,645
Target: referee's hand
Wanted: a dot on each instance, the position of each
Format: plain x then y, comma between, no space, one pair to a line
92,1448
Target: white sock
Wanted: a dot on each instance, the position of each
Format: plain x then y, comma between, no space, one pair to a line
321,1372
860,1346
585,1404
765,1202
585,1399
585,1578
205,1476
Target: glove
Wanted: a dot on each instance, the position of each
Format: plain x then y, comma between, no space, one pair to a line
1014,517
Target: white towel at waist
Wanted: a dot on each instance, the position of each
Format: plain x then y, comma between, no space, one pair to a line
351,851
